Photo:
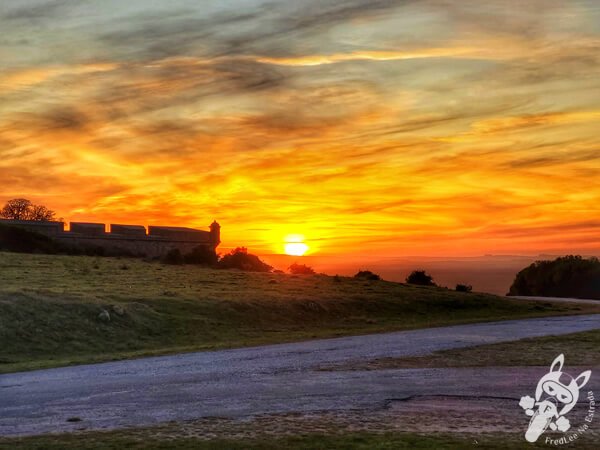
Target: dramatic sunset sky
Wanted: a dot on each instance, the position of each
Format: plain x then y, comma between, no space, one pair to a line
376,127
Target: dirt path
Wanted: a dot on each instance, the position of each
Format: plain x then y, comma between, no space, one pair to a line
558,299
275,379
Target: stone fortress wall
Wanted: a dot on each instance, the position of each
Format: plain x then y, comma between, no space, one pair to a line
156,241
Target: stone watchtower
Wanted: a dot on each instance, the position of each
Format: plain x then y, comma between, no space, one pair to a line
215,233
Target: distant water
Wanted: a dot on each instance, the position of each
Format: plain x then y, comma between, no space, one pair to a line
492,274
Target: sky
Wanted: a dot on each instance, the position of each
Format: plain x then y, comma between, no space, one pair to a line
367,127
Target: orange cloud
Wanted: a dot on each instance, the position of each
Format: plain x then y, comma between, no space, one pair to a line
317,60
24,78
447,146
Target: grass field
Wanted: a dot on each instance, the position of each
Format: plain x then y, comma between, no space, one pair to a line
347,441
50,306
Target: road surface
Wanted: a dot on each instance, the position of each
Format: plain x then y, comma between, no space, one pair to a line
557,299
242,383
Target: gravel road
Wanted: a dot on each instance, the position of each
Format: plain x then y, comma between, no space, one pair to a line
585,301
273,379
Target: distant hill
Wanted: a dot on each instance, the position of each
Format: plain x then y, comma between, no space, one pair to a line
58,310
568,276
491,274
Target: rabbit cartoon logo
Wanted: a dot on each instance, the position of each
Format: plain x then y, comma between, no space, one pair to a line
556,394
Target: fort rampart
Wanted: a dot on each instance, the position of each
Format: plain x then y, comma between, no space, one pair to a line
135,240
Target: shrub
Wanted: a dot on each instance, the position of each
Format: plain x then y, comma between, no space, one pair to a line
173,256
201,255
239,258
301,269
367,275
568,276
421,278
464,288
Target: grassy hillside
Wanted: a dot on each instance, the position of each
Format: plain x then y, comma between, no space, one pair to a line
346,441
50,307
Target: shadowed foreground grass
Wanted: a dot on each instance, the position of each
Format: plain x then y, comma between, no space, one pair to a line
357,441
50,306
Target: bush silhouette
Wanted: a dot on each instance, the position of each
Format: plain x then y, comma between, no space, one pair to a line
567,276
301,269
239,258
421,278
464,288
173,256
201,255
367,275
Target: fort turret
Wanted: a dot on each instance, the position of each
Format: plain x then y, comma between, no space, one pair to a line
215,233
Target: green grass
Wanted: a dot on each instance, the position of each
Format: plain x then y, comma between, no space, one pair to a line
49,308
579,349
348,441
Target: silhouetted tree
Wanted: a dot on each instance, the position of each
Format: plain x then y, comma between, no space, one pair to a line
41,213
17,209
367,275
421,278
301,269
567,276
464,288
23,209
239,258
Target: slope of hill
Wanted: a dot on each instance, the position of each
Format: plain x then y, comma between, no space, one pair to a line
60,310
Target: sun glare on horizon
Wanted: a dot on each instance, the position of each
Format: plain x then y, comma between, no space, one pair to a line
295,248
294,245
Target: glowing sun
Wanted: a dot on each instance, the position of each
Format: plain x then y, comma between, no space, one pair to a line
294,245
296,248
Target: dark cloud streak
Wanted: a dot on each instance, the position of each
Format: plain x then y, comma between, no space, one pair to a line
271,29
46,10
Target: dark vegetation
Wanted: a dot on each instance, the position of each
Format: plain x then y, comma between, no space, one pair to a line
568,276
301,269
421,278
239,258
367,275
23,209
58,310
333,439
202,256
464,288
